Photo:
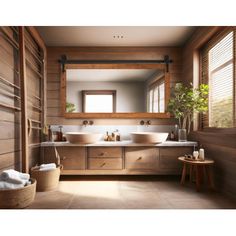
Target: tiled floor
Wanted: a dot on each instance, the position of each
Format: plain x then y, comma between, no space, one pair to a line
128,193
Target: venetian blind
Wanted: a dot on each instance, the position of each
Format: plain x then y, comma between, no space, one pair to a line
218,72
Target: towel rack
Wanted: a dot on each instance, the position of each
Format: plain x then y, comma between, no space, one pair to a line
10,107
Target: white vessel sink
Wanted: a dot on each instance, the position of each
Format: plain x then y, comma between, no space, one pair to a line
83,137
148,137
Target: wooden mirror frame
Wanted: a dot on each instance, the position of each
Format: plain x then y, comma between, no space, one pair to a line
119,115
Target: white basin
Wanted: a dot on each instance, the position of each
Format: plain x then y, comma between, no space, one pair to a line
83,137
148,137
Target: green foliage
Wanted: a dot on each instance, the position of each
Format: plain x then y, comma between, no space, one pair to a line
70,107
186,101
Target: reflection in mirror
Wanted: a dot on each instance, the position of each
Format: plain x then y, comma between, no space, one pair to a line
99,101
115,90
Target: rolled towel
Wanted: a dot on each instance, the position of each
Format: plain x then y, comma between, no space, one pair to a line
52,165
14,177
7,185
47,168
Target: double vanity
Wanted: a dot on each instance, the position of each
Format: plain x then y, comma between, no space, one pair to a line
129,157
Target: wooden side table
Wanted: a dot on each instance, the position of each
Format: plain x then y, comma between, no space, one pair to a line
200,168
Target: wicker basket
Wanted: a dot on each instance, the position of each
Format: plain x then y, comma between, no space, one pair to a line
18,198
46,180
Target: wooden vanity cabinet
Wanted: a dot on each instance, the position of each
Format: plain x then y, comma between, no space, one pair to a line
142,158
122,160
169,163
72,158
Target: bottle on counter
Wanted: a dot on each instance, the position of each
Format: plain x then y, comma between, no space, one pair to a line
60,134
176,132
50,139
172,136
106,137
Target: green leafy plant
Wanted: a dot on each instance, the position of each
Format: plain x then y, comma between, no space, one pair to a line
186,101
70,107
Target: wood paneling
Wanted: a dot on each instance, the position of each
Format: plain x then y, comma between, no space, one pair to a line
10,138
54,115
220,146
21,95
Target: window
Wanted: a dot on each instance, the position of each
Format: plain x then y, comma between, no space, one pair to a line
156,97
99,101
218,70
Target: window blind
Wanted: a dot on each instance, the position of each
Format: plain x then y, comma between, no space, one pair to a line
217,65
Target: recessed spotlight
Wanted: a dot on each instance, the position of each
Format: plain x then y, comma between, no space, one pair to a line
118,36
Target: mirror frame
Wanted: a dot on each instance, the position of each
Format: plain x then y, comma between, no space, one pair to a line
117,115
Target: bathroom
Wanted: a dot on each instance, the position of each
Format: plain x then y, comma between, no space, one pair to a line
96,109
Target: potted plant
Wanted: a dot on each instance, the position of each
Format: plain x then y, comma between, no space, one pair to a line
185,102
70,107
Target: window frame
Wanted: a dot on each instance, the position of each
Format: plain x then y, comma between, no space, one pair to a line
98,92
204,78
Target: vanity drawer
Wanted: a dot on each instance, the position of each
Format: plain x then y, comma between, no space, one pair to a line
104,163
141,158
104,152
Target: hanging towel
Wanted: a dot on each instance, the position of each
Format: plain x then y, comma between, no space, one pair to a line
50,165
14,177
7,185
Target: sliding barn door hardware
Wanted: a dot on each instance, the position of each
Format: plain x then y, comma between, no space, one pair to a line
64,61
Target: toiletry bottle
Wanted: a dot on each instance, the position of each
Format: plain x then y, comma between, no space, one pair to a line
172,136
117,135
50,134
176,132
195,155
201,154
60,134
106,136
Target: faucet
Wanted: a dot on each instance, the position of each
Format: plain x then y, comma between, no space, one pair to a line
86,122
147,123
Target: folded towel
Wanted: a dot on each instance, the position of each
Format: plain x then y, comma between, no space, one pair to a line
7,185
53,165
14,177
47,168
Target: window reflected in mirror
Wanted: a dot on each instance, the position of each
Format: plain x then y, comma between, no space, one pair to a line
95,101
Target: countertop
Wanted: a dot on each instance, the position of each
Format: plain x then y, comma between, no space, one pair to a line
125,143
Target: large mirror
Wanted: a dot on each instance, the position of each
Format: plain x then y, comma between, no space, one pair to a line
115,92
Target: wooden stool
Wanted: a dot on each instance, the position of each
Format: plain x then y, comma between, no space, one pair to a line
200,168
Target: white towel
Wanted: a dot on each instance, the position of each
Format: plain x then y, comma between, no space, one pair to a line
14,177
7,185
52,165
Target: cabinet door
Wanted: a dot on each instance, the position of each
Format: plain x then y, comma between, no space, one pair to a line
72,158
142,158
169,162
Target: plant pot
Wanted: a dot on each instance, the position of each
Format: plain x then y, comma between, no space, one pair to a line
182,135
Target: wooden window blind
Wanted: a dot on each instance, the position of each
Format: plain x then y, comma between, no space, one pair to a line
218,66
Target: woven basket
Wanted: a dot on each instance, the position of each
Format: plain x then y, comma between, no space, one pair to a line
46,180
18,198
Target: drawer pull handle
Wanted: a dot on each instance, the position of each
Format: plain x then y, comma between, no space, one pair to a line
140,158
103,153
103,164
